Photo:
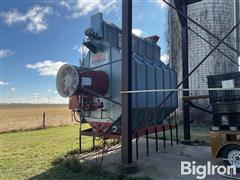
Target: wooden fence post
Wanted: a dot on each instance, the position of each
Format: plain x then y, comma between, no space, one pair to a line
44,118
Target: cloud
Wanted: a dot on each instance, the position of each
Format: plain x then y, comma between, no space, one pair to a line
84,7
35,18
36,95
165,58
46,67
13,89
4,53
35,100
81,49
4,83
138,32
65,4
49,90
78,48
161,3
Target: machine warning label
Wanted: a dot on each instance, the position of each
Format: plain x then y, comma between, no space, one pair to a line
86,81
99,58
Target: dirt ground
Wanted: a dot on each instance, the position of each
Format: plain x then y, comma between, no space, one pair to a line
161,165
30,116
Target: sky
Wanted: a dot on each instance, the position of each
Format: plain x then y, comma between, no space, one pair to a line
37,37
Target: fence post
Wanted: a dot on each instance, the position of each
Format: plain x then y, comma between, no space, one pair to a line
44,118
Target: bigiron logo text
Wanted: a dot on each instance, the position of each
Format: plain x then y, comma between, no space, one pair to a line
202,171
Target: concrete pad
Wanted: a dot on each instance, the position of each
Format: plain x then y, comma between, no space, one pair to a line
161,165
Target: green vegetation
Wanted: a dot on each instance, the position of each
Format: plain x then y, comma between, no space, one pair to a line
47,154
76,170
199,134
26,154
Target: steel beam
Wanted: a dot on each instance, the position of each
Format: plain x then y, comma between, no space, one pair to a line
213,46
237,18
195,97
186,109
199,108
192,1
179,5
126,128
199,25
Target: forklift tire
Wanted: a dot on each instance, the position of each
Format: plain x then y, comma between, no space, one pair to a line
231,156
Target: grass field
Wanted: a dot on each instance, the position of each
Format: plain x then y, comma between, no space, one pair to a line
29,155
199,134
29,116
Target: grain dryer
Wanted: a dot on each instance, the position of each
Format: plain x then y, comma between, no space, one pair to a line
95,86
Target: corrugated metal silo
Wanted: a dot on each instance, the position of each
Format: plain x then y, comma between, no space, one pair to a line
218,17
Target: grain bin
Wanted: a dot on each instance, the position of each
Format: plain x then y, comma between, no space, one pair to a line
218,17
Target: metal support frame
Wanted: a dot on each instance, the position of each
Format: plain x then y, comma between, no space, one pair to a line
220,51
200,113
171,134
181,15
199,108
147,142
164,138
156,138
126,73
126,147
176,126
186,109
93,141
195,97
182,7
190,73
136,136
237,18
80,137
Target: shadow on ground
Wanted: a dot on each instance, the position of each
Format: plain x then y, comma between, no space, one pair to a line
162,165
56,172
69,167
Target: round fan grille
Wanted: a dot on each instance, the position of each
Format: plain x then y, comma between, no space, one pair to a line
67,80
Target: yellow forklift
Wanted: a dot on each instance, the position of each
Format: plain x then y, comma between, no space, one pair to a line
225,102
226,145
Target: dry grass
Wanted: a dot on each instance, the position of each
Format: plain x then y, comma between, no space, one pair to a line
29,116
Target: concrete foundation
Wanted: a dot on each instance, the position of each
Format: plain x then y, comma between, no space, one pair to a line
162,165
